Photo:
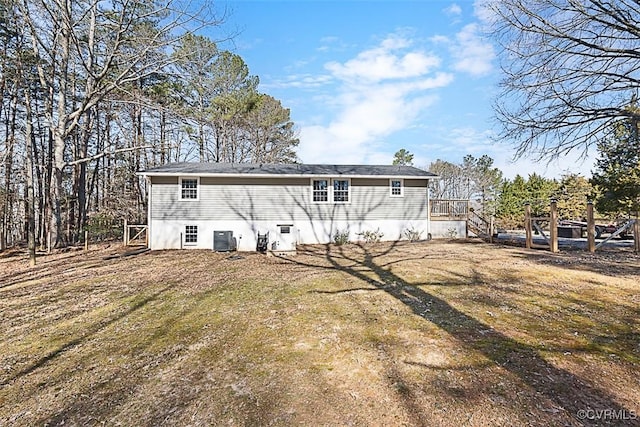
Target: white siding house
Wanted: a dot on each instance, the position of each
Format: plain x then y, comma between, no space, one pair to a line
295,204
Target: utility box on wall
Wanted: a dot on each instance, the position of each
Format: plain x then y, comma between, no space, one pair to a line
223,241
286,237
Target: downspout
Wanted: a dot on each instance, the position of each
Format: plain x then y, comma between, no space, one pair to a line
149,203
428,213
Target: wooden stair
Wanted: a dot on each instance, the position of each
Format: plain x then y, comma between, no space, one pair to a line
479,226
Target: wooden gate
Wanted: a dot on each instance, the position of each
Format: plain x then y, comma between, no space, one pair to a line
136,234
533,223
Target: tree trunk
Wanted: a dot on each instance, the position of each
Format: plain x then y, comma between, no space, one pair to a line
60,130
30,202
8,170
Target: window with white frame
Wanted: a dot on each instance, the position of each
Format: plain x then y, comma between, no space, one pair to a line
191,234
341,190
320,190
325,190
189,188
396,187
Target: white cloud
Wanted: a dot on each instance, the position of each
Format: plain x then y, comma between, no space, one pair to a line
439,39
384,90
482,9
453,10
471,52
385,62
299,81
471,140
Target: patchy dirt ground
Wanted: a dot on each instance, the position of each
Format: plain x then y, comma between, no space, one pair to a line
444,333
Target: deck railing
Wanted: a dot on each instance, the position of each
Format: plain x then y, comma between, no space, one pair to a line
449,209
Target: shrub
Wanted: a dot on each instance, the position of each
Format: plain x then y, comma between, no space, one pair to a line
103,226
341,237
370,236
412,235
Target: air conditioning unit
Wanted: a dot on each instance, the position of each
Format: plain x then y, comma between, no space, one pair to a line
223,241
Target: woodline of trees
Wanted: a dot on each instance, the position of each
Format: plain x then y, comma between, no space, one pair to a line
614,186
571,193
93,92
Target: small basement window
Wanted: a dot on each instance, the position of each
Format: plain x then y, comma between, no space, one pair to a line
191,234
396,187
189,188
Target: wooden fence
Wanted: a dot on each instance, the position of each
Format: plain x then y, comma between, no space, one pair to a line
534,223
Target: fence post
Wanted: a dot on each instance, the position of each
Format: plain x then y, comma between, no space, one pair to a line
591,228
466,225
553,224
491,225
125,237
527,225
636,234
86,240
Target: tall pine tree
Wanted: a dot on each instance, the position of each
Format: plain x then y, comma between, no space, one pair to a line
617,174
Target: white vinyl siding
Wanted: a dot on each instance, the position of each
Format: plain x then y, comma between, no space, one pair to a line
286,200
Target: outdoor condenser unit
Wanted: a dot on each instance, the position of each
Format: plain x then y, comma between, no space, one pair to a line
223,241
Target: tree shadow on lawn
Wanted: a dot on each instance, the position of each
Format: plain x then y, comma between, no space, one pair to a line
609,262
94,329
567,390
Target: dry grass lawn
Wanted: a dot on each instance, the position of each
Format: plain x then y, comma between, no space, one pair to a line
443,333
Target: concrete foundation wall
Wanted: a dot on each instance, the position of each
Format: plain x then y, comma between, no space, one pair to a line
452,228
169,234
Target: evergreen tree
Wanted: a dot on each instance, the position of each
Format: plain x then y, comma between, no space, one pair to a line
573,192
270,132
403,157
540,191
617,174
510,202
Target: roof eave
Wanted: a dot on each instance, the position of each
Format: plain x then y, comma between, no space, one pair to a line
271,175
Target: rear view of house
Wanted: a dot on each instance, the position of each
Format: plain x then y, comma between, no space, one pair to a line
221,205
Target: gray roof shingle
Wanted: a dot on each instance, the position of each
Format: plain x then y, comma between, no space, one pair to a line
288,170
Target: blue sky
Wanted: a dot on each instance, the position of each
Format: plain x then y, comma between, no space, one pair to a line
365,78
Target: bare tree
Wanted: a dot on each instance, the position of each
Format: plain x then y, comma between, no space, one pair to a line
91,92
452,182
570,71
89,49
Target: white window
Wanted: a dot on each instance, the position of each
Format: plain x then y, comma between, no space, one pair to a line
396,187
191,234
189,188
325,190
320,190
341,190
